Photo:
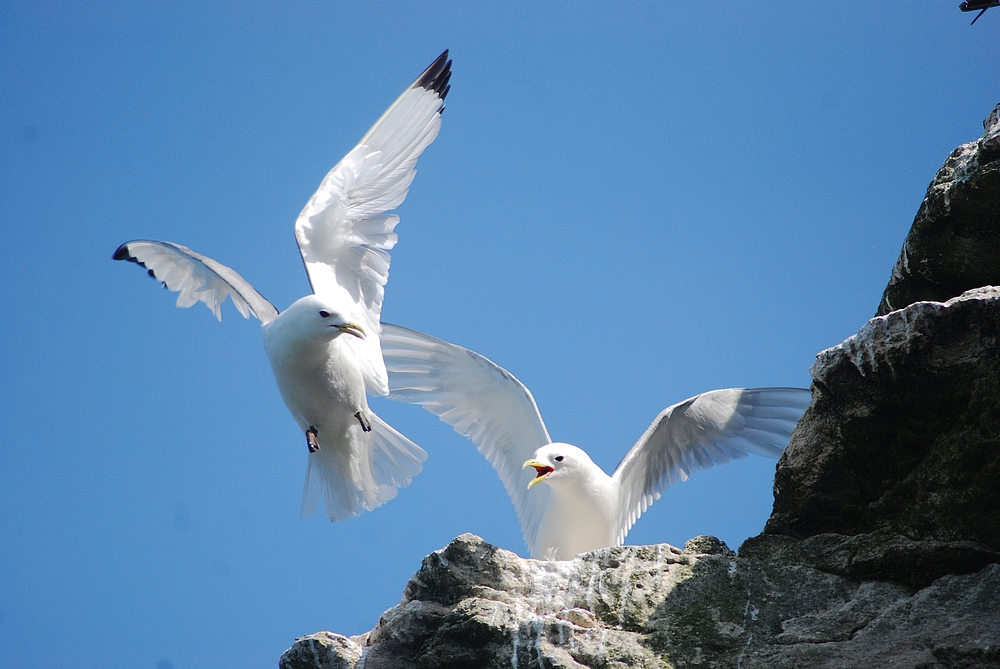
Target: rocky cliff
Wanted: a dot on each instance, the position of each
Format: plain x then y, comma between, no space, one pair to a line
953,245
883,548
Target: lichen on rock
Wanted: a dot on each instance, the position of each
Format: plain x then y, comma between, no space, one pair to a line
658,606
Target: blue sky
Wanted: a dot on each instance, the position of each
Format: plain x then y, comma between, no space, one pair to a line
624,208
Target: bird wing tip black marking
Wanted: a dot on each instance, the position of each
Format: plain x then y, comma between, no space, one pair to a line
122,253
436,76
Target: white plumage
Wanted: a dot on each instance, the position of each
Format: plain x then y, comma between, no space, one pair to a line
580,508
356,460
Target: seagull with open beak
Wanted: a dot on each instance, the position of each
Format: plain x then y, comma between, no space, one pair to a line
580,508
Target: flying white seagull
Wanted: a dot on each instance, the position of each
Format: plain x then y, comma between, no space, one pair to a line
356,460
581,508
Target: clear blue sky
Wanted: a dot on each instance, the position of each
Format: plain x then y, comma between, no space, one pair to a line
624,208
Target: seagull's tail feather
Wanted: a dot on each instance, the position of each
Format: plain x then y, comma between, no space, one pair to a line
350,484
329,477
395,460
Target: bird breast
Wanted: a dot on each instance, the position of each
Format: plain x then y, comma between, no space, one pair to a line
581,517
319,380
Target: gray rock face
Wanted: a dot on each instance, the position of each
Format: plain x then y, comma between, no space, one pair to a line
954,243
883,549
323,650
474,605
904,430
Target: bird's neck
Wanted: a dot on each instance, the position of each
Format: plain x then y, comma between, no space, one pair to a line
288,347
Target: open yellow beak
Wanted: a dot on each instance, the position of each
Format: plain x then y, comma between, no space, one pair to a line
542,471
352,328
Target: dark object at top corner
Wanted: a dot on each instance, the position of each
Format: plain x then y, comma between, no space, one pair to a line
435,78
981,5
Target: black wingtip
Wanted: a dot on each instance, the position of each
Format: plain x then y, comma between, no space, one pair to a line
435,77
121,253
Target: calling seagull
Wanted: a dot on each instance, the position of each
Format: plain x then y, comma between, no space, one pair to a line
580,508
324,349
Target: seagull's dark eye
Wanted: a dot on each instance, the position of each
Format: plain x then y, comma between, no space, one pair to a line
558,458
323,313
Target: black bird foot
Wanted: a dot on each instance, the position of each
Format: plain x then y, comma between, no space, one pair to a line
311,441
365,425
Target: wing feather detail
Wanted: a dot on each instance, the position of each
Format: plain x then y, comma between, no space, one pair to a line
706,430
482,401
343,232
197,278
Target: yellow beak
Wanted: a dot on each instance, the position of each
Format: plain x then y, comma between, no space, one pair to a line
542,471
352,328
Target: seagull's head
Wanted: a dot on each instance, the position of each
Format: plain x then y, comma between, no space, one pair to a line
316,317
557,461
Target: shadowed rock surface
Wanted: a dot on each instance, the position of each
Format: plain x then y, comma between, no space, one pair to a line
904,430
954,243
883,548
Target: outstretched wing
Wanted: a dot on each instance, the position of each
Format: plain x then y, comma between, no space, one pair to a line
482,401
343,232
197,278
705,430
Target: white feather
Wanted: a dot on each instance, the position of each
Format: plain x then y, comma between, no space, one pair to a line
321,361
481,400
580,508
